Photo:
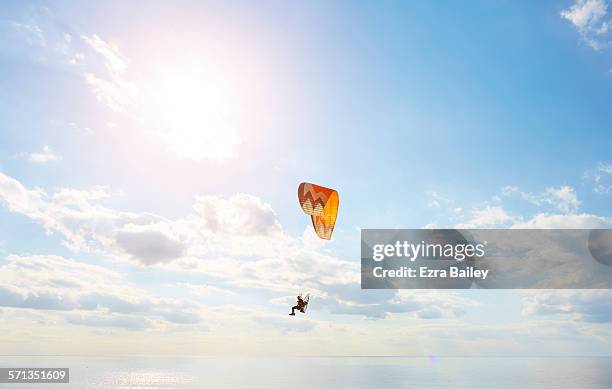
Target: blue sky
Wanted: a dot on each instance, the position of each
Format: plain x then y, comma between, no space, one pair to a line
164,144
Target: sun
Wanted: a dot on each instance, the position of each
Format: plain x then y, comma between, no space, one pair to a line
192,110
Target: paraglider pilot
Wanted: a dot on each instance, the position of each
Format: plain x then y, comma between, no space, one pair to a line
301,304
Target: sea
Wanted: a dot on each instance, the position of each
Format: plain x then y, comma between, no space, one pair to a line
323,372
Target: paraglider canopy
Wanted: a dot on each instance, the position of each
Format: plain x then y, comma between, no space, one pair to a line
321,204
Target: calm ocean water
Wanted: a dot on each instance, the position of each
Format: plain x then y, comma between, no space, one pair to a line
324,372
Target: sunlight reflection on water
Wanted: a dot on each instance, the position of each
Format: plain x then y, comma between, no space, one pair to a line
324,372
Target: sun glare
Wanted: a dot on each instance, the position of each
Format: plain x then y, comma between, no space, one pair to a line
192,112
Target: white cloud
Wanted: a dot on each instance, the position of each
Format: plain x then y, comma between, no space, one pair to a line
32,32
96,319
577,221
582,305
117,95
558,207
239,225
436,200
237,241
86,225
590,19
433,203
241,214
54,283
563,198
416,303
114,89
489,216
76,215
43,156
509,190
45,42
205,290
585,12
20,199
601,177
280,323
149,244
605,168
209,240
114,60
48,42
495,214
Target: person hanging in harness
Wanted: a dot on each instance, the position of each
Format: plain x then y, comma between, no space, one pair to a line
302,303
